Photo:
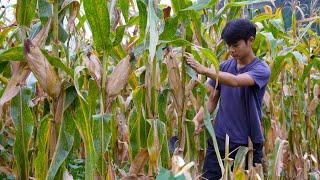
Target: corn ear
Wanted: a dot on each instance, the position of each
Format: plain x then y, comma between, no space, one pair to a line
94,66
42,69
119,77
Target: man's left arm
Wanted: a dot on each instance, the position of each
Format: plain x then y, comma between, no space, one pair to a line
230,79
258,76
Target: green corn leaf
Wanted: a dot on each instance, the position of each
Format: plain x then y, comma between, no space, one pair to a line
82,120
98,17
64,144
41,159
56,62
23,121
199,5
12,54
25,12
240,159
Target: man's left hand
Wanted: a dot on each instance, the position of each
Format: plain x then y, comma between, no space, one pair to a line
199,68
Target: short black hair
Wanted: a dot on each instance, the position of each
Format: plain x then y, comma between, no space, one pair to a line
239,29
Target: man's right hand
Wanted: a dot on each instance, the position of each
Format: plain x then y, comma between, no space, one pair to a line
198,126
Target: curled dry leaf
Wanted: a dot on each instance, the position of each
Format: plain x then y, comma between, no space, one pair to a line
20,74
139,162
123,137
74,9
119,77
174,78
267,9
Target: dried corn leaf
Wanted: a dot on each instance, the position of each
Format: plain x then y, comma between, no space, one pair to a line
20,74
174,79
123,137
139,162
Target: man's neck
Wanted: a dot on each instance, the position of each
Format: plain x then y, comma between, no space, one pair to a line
246,60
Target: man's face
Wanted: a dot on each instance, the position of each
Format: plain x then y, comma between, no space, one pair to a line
240,49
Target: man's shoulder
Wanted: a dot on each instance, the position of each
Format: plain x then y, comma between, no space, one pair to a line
261,65
226,63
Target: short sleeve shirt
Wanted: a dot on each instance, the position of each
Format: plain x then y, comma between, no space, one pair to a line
240,108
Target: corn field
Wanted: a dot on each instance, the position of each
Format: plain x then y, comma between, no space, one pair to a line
95,89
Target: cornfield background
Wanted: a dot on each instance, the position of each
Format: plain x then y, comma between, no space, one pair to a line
95,89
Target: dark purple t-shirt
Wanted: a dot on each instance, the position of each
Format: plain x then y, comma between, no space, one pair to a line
239,114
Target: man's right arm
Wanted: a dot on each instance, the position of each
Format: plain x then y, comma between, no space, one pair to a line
211,105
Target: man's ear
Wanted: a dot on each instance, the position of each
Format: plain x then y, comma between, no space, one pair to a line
251,39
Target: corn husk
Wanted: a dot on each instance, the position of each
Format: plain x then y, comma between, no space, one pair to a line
119,77
174,79
42,69
94,66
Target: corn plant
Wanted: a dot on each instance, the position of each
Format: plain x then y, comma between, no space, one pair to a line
98,89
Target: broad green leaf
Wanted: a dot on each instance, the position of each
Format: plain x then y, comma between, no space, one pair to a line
99,136
240,159
98,17
45,10
199,5
170,29
191,152
177,42
41,159
23,122
208,125
119,35
152,29
82,120
211,57
163,142
64,144
262,17
12,54
124,6
234,4
143,18
25,12
162,105
134,132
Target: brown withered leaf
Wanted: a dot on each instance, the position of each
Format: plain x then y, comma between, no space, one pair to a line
20,74
74,9
174,78
111,174
119,77
6,170
42,35
123,137
313,105
139,162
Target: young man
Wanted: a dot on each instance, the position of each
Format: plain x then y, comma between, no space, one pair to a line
242,82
